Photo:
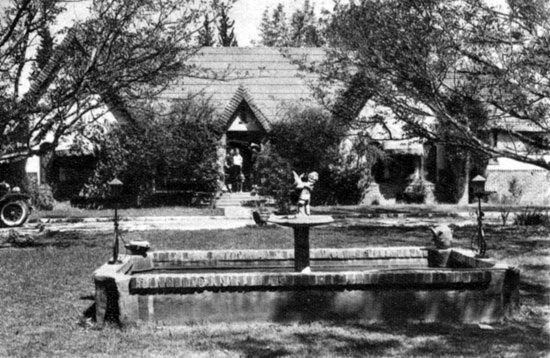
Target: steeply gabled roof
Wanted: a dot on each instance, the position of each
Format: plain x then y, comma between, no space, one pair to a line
268,79
240,96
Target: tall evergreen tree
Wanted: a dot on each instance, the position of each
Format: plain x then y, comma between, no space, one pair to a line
226,34
206,34
302,29
305,28
274,30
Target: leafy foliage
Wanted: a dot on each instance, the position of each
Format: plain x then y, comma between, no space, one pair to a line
532,217
308,137
41,196
305,140
206,33
301,29
274,29
513,197
462,65
177,151
226,32
123,51
305,29
275,173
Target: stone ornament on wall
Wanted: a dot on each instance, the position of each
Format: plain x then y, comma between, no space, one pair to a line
442,236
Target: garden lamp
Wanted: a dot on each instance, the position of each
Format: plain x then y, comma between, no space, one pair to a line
116,189
478,188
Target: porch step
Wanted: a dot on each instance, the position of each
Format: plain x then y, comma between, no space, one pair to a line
234,199
237,200
237,212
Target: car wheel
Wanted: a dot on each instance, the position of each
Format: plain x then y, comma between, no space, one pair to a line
14,213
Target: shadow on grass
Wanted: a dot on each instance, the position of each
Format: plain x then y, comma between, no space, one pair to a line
348,345
256,348
537,292
515,339
60,240
309,343
470,340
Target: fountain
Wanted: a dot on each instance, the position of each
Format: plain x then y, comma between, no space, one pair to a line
359,284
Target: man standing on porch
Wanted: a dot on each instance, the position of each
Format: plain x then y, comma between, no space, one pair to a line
237,170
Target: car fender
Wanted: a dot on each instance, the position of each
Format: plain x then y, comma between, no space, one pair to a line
14,197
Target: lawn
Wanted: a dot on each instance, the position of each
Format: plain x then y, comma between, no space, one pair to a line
66,211
46,297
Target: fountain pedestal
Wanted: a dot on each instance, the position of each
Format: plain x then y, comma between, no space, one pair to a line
301,226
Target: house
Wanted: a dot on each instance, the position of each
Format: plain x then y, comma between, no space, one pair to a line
252,88
513,181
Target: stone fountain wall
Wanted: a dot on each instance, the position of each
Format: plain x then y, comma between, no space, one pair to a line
368,284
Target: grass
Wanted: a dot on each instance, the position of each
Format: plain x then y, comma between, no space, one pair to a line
65,210
46,300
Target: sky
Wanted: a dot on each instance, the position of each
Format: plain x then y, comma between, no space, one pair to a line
246,13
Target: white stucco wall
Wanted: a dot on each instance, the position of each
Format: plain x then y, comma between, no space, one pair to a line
505,141
33,165
533,181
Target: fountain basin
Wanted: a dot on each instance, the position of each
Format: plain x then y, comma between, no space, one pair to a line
364,284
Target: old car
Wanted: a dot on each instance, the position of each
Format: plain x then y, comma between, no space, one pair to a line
14,206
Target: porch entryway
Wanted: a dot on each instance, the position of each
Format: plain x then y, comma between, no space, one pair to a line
244,136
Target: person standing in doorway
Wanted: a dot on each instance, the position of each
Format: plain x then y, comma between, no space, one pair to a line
228,171
255,152
237,160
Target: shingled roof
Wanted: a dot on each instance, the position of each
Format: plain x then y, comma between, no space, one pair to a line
267,79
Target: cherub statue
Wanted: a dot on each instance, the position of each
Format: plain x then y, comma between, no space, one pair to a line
305,188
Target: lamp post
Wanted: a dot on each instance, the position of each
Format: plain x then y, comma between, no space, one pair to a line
478,187
116,189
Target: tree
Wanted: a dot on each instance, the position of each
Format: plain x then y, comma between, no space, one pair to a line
226,35
274,30
206,34
125,50
307,139
177,148
302,29
460,68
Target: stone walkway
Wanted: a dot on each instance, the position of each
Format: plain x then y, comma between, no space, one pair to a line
217,222
150,223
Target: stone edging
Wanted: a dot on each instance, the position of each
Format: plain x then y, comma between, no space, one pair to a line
418,278
323,253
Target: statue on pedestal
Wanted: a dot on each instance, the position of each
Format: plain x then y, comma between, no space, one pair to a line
305,188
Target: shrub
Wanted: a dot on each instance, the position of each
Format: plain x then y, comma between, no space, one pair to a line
41,196
175,151
308,139
275,175
513,197
416,192
532,217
